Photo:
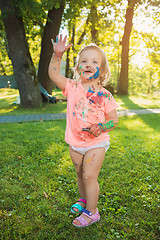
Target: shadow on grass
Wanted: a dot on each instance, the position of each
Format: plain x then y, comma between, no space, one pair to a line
39,184
130,105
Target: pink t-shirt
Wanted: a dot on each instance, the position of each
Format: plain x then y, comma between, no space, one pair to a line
83,109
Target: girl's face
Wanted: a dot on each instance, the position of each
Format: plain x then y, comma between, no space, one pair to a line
89,63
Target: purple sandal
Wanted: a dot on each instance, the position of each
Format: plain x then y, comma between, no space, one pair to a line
95,218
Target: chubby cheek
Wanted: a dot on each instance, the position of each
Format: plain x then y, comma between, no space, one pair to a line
80,70
79,67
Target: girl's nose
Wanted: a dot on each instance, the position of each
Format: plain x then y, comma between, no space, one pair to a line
88,67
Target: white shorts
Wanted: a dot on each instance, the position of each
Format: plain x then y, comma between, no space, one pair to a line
83,150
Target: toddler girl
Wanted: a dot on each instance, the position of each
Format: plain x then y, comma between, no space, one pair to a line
91,114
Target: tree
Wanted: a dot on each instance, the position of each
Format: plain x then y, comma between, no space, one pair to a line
153,45
123,80
77,28
94,23
51,30
19,54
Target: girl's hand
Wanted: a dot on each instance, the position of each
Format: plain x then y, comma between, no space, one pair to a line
95,130
59,46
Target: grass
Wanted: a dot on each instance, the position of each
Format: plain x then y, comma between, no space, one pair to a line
8,96
38,182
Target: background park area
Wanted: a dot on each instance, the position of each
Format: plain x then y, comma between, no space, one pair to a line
38,180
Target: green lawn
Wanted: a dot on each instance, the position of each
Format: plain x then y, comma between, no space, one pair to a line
38,182
8,96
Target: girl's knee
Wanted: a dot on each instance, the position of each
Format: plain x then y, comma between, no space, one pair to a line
89,176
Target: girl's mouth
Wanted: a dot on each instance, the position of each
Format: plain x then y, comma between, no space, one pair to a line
90,69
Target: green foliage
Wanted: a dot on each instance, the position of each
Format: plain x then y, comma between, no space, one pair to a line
5,63
38,182
109,22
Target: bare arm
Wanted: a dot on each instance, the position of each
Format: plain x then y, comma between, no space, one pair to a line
112,121
54,66
109,125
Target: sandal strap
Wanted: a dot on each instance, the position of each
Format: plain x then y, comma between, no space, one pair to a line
90,214
82,200
79,207
87,212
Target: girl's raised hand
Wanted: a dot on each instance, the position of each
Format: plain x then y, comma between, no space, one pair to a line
59,46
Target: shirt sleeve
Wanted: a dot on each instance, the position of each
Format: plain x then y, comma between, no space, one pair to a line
110,103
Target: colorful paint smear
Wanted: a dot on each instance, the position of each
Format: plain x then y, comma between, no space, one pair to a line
107,125
96,75
91,158
90,92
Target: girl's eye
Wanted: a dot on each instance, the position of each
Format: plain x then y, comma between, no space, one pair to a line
95,62
83,61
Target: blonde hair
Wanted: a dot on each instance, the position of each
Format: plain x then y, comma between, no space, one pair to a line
104,68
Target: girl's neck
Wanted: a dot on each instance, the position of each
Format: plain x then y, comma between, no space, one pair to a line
91,85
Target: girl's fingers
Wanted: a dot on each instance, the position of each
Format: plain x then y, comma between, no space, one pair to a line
52,41
60,37
65,38
61,44
95,130
68,46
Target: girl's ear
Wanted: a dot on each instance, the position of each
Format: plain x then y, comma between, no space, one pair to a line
77,67
101,72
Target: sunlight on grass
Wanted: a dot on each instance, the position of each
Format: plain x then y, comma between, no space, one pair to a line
38,182
146,101
8,96
58,93
138,123
4,92
137,102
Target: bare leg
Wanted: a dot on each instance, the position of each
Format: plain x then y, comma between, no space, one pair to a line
77,160
92,163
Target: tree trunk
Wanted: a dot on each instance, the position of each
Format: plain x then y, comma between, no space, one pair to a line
73,42
67,70
23,67
123,80
84,32
94,23
50,32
